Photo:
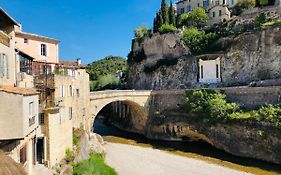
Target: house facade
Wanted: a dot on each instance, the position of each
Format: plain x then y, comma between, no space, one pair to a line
51,97
17,127
218,10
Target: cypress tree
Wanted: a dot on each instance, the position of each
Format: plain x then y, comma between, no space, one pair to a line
161,20
172,15
155,26
164,12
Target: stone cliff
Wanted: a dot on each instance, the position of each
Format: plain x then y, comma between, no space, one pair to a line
164,62
243,138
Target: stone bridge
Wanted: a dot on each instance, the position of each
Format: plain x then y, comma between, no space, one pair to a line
137,102
135,106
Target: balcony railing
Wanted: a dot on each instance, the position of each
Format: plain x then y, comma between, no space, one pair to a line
43,82
4,39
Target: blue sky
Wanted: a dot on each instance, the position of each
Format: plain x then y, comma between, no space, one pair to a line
88,29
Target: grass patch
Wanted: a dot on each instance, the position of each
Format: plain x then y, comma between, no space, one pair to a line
272,23
95,165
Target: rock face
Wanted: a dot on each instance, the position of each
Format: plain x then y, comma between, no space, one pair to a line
177,65
242,138
164,62
253,57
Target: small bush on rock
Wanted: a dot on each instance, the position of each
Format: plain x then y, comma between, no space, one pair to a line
167,28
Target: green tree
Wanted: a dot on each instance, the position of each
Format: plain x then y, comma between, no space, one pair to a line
183,21
172,15
198,17
243,5
164,12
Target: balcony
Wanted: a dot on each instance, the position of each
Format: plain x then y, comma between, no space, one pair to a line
43,82
4,39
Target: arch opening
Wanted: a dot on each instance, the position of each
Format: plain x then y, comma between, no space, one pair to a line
125,115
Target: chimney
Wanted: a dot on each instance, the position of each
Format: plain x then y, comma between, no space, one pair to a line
78,61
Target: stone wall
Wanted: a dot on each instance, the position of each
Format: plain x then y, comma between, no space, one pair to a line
254,97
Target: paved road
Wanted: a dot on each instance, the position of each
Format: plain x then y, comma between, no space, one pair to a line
134,160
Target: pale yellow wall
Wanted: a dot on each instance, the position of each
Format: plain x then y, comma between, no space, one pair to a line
59,136
33,49
14,112
82,103
10,53
209,71
225,15
185,4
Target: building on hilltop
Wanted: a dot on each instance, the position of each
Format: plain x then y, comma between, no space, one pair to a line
218,10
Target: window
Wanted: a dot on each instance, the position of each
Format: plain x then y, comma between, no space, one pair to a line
62,91
189,8
182,10
77,92
23,155
41,119
202,72
214,14
232,2
3,65
25,64
43,50
217,70
25,40
31,109
198,5
220,13
70,91
217,2
70,113
205,4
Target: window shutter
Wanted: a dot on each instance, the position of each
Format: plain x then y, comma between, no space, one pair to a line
1,65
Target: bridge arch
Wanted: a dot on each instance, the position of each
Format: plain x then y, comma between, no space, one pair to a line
132,106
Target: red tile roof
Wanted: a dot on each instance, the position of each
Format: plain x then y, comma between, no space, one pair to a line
17,90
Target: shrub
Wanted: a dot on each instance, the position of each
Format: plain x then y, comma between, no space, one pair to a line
69,156
263,2
261,19
197,40
243,5
210,104
167,28
141,32
269,113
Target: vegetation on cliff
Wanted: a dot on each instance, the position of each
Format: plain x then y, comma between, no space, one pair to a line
165,16
212,105
95,165
108,73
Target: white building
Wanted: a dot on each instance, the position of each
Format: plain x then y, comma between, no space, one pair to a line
209,71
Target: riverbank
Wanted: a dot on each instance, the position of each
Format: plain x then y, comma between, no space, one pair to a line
129,159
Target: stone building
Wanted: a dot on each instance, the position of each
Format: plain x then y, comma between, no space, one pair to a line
218,10
218,14
51,97
17,127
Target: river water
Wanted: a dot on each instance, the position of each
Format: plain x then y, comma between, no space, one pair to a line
198,150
